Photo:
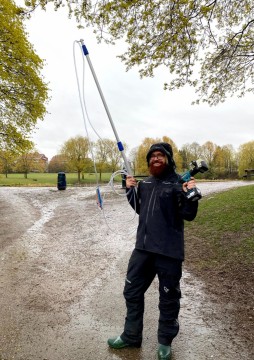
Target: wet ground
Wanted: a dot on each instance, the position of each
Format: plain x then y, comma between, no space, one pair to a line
63,264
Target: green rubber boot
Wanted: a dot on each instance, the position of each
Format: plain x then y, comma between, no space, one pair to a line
118,343
164,352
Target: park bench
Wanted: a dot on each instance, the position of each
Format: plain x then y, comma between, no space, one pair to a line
249,174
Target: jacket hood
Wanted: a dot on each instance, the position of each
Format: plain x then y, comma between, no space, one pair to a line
166,149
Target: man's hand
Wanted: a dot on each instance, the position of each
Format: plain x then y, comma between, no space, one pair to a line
130,181
189,185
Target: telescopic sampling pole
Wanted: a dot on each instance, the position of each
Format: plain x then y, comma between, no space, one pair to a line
119,143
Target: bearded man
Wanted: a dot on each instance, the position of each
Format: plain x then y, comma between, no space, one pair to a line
162,206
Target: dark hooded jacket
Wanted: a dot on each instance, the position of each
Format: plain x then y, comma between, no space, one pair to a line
162,208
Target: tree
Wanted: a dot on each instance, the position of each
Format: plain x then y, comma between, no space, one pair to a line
108,155
40,162
216,35
219,164
246,157
26,162
224,162
133,159
114,155
6,161
101,156
221,160
208,152
190,152
230,164
76,150
57,164
22,92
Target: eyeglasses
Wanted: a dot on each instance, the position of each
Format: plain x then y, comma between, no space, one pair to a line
159,156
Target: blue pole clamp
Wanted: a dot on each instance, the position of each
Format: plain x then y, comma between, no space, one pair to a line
120,146
99,198
85,51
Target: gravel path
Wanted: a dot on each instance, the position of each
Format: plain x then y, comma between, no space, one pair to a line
62,275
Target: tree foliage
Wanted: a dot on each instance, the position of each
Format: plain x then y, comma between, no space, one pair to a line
216,35
108,156
132,158
76,151
101,156
246,157
30,161
221,160
208,151
190,152
57,163
22,91
7,159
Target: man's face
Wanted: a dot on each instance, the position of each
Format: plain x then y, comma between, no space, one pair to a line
157,163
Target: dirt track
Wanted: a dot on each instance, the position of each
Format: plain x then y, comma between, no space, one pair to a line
62,275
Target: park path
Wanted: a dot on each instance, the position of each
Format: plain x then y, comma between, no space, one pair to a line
61,279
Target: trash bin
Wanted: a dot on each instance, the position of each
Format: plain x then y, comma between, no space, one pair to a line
61,181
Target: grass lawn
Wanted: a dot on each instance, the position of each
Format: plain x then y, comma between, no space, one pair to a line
220,252
223,230
45,179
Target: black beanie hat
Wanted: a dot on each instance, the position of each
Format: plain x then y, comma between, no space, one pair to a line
166,149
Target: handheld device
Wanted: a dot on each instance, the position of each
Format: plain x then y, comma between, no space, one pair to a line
196,167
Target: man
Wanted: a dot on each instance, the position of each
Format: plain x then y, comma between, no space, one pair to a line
162,206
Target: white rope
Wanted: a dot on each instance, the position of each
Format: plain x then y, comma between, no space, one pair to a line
106,214
100,198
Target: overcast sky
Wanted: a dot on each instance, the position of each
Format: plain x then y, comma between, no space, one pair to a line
139,108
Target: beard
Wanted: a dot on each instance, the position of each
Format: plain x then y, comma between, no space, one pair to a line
158,171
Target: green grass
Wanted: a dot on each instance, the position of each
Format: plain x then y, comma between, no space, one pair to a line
45,179
223,230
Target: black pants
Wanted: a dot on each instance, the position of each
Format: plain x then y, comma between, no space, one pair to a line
142,269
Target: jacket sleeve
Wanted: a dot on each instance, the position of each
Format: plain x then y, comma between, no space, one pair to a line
187,209
133,198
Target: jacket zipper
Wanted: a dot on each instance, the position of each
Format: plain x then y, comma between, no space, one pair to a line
147,215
